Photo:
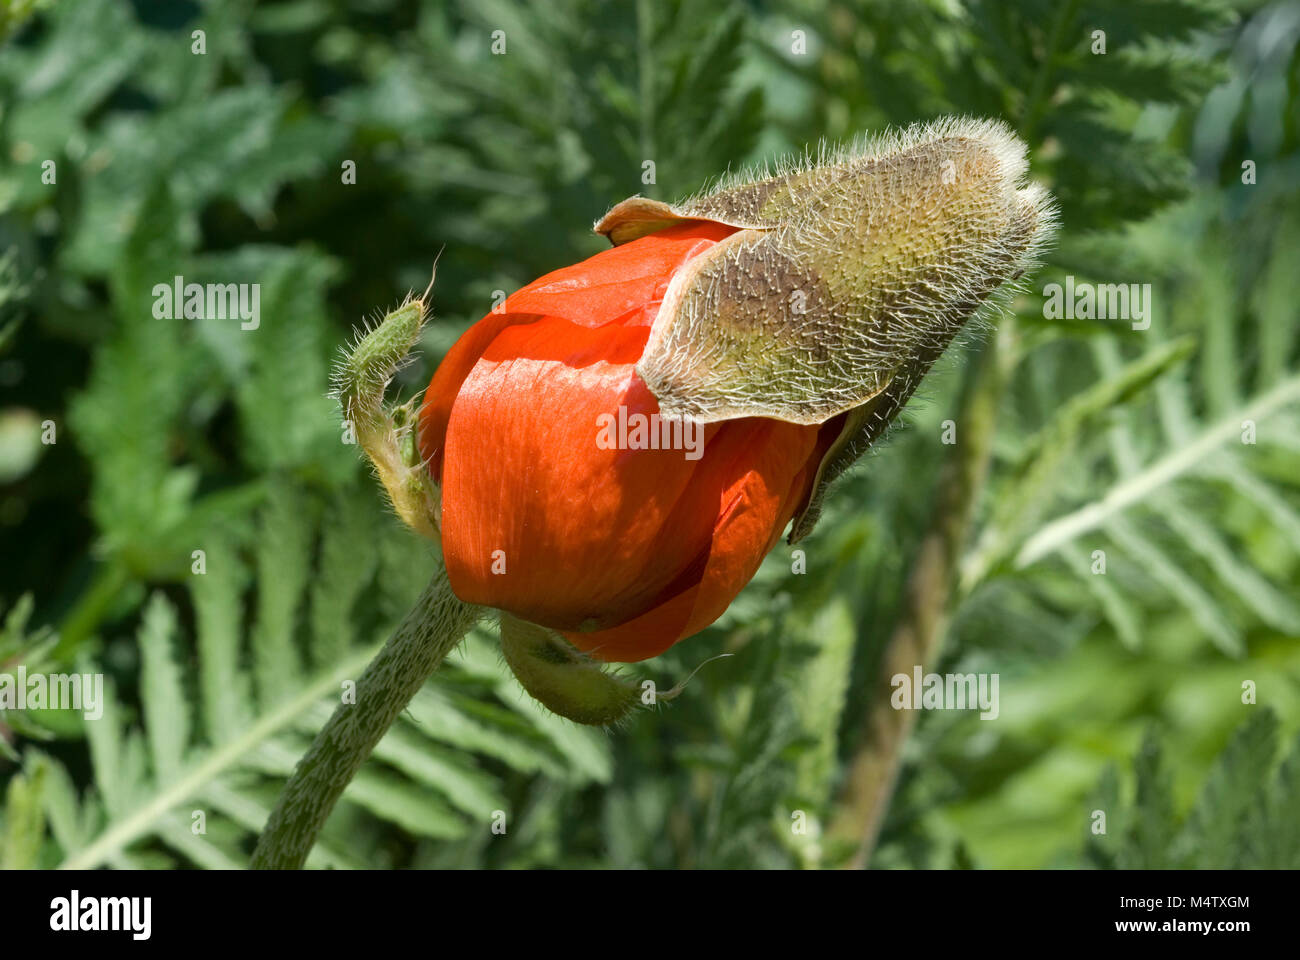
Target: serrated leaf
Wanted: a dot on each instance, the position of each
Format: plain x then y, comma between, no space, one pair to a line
166,707
1211,837
283,564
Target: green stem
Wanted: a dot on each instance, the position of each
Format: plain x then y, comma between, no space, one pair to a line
1036,102
918,633
107,584
433,628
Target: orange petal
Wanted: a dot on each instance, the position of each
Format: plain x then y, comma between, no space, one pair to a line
753,509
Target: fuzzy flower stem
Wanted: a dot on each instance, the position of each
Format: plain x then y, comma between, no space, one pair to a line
431,630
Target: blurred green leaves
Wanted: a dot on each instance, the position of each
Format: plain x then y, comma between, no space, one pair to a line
1244,817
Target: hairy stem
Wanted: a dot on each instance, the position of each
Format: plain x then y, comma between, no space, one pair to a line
918,634
433,628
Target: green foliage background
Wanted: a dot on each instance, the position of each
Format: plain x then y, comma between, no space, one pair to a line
1120,693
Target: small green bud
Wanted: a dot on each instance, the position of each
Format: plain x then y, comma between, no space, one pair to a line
386,433
561,678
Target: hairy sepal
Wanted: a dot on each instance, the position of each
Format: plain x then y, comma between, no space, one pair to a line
386,433
850,274
563,679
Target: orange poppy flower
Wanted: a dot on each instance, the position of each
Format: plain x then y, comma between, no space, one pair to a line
607,457
553,510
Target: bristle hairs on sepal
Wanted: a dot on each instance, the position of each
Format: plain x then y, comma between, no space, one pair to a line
996,135
564,680
847,266
852,268
865,147
386,434
379,348
1040,216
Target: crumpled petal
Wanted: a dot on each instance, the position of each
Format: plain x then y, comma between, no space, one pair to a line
539,521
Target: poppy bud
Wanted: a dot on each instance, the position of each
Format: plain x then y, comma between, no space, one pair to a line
565,499
617,447
386,433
